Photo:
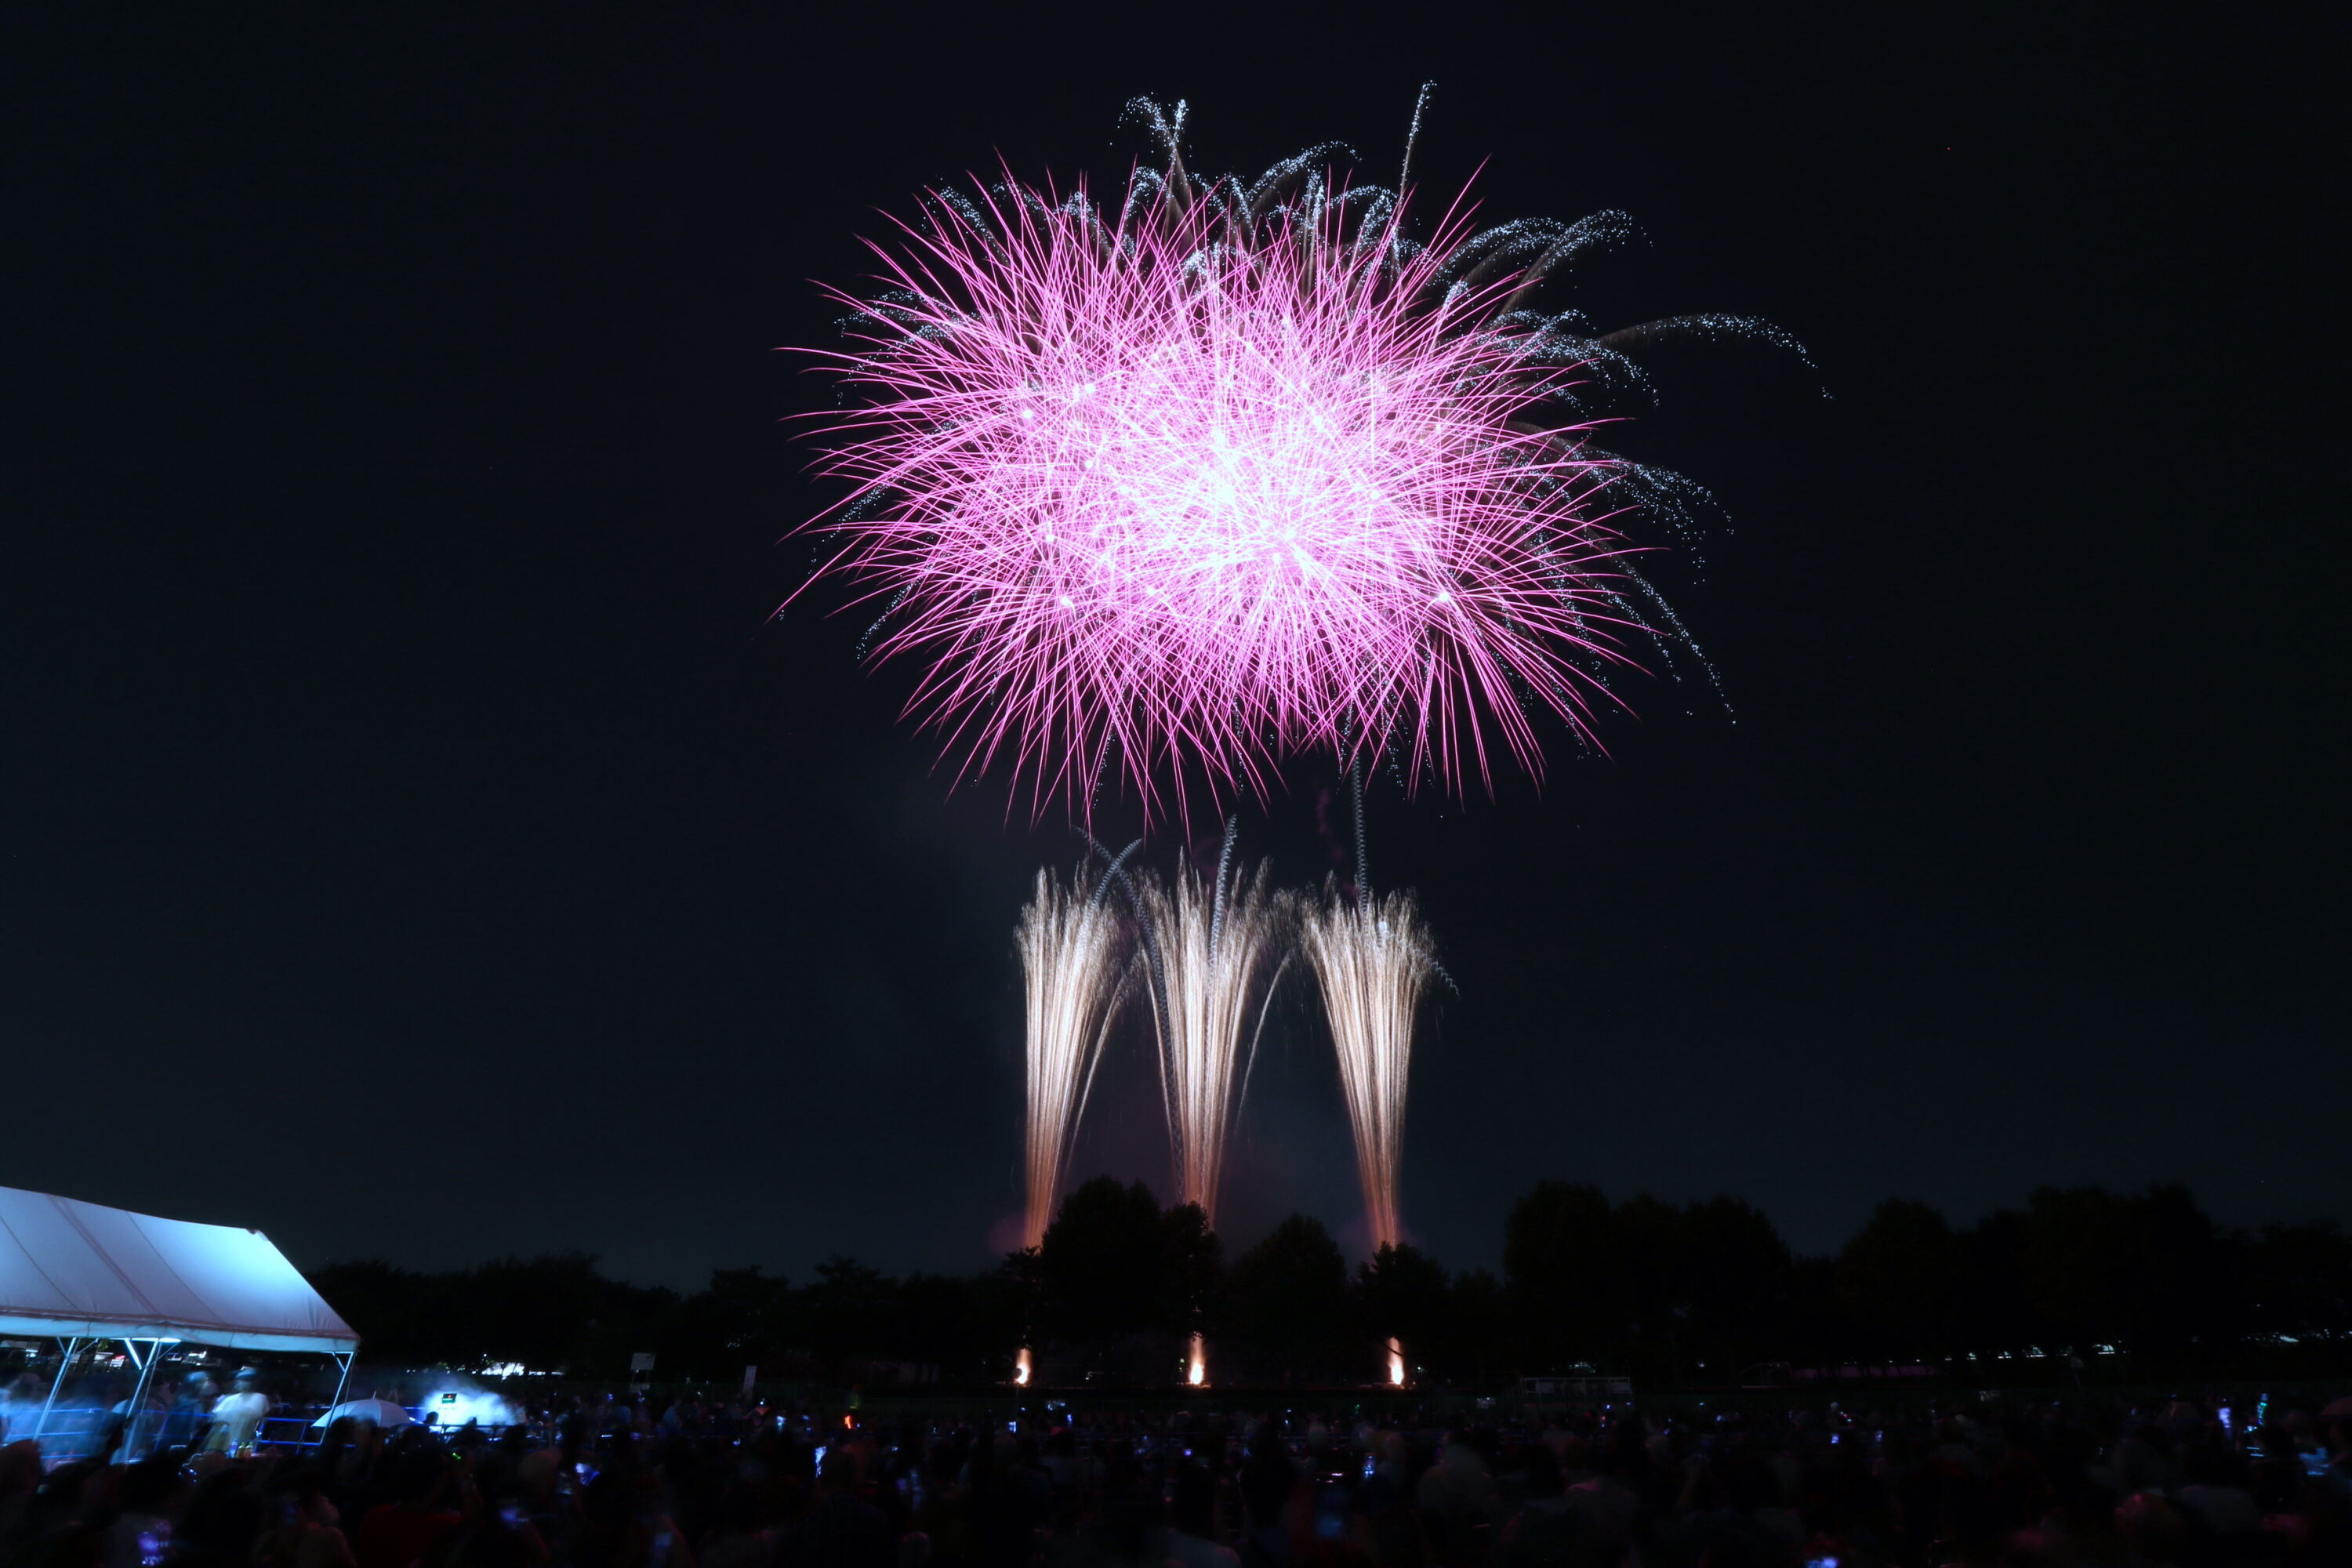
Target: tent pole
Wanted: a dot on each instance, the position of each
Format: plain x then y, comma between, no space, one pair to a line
55,1383
346,1357
138,1405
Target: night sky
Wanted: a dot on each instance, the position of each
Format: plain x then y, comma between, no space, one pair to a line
417,840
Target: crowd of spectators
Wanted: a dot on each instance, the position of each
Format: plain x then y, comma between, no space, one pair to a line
599,1483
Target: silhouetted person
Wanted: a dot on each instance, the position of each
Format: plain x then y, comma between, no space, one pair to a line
843,1531
1268,1484
399,1533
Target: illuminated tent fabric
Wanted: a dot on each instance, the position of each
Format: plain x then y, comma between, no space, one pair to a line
69,1269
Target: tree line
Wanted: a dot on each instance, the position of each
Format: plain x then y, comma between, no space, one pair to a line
2129,1285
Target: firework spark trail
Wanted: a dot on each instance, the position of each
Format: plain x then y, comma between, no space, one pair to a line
1374,959
1071,948
1226,477
1236,469
1183,502
1221,947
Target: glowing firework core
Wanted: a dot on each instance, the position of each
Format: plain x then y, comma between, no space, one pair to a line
1210,495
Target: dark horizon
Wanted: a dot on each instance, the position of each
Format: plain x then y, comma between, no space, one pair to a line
2084,1285
2066,1201
424,844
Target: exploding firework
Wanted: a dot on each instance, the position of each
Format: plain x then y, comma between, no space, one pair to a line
1239,470
1374,959
1217,950
1073,958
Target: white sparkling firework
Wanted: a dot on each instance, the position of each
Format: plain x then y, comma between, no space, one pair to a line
1218,954
1072,951
1374,959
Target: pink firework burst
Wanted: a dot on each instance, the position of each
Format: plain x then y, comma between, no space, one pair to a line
1173,495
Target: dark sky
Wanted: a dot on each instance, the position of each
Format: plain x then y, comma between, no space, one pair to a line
420,843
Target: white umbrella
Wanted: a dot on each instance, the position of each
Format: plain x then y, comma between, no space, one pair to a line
374,1412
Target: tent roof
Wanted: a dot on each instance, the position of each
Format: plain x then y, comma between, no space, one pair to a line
69,1268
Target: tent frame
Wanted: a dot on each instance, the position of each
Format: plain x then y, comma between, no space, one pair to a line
73,1345
87,1276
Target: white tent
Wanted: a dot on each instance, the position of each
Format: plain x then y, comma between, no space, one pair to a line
76,1272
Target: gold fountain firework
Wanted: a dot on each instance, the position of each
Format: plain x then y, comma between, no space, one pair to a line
1072,952
1374,960
1219,954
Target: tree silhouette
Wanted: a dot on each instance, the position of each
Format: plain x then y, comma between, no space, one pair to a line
1401,1293
1192,1275
1288,1295
1646,1285
1102,1266
1659,1290
1558,1249
1893,1283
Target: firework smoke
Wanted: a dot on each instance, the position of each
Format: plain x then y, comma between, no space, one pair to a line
1073,960
1220,957
1237,469
1374,959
